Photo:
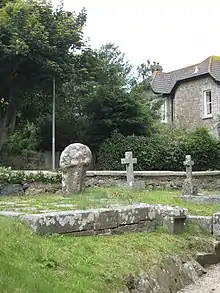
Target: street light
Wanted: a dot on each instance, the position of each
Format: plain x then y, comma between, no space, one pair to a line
53,127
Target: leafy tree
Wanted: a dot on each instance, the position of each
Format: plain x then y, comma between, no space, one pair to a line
141,89
35,45
99,100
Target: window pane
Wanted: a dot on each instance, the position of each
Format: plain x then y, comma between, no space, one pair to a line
208,97
162,111
209,108
208,102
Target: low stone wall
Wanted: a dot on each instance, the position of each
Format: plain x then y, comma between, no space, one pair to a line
154,179
133,218
148,179
143,180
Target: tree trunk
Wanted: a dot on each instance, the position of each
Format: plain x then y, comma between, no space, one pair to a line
8,122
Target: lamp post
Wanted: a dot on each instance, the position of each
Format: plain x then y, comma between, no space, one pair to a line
53,127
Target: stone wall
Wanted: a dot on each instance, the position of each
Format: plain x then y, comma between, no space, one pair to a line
143,180
188,104
154,179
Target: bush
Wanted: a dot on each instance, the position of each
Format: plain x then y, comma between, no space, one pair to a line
166,150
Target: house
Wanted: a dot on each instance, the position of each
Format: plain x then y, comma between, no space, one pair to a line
191,95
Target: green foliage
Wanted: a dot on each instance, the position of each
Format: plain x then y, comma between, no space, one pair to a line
35,45
7,175
23,138
165,150
96,101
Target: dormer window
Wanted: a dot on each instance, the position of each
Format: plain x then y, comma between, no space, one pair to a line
196,70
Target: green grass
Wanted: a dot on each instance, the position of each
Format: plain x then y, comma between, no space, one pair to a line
105,197
31,263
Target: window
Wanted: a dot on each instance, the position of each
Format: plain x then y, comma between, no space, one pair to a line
163,112
207,103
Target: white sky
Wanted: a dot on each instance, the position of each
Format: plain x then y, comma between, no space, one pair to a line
176,33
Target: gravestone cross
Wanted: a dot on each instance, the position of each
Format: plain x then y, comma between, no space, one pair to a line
188,188
188,163
129,161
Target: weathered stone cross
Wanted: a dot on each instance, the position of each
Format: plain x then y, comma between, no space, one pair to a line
188,163
129,161
188,188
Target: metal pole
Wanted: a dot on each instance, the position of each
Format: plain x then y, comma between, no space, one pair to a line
53,127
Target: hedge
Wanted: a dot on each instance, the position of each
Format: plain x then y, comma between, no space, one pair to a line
164,151
7,175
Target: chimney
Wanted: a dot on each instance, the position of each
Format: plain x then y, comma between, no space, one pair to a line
155,68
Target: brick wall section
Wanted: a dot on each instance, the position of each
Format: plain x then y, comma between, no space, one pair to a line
189,104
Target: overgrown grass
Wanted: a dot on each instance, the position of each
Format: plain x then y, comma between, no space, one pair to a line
103,197
30,263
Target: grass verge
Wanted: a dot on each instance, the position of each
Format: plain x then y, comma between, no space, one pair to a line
54,264
102,197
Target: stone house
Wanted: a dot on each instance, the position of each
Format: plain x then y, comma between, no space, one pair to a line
191,95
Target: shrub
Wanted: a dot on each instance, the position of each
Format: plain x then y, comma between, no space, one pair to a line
166,150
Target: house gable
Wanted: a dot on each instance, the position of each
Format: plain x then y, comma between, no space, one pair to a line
196,103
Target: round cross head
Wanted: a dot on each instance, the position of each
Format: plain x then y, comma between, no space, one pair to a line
75,155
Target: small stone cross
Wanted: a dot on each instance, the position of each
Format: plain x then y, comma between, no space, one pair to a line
188,163
129,161
188,188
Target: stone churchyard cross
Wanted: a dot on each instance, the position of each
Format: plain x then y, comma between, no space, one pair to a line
129,161
189,189
188,163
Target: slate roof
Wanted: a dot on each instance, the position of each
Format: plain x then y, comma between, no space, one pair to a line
164,82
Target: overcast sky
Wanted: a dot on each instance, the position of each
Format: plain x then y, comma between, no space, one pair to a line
177,33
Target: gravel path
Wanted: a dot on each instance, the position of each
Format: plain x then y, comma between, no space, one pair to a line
209,283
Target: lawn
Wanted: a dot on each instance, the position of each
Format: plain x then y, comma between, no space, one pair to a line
31,263
102,197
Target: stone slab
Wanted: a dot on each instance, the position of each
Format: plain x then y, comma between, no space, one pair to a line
105,218
202,199
133,214
61,222
10,213
209,258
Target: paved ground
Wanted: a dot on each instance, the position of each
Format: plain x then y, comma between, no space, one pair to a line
209,283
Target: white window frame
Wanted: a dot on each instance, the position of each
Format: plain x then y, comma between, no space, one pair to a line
163,112
206,103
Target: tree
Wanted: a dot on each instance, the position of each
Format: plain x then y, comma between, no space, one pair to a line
142,91
100,97
35,45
